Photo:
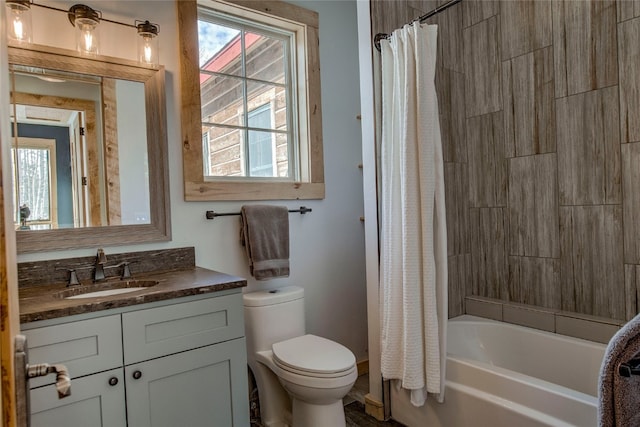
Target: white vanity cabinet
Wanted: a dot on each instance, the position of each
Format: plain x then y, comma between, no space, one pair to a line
179,363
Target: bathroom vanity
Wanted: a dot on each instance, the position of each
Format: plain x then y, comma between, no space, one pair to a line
172,354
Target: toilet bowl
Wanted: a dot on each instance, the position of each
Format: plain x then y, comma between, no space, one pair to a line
316,373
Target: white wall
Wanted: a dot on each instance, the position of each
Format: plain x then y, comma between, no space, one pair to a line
327,245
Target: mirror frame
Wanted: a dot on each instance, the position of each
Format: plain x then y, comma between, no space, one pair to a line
159,228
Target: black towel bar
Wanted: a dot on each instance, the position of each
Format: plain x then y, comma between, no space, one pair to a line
212,214
632,367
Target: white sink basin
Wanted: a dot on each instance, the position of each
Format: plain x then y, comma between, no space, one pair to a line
106,293
105,289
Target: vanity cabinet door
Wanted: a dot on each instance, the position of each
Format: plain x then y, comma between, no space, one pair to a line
202,387
96,401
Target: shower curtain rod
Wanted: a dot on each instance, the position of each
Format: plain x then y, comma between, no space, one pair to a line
380,36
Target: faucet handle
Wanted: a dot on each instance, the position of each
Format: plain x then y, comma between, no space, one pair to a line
73,278
126,271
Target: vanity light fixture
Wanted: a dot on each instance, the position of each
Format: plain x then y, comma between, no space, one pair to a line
19,20
148,42
85,20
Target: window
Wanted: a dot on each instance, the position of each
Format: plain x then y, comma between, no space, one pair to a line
251,98
33,165
242,66
260,148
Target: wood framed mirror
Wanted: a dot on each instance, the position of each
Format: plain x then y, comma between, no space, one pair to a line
99,176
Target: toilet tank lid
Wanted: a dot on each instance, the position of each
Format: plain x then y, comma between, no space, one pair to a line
273,296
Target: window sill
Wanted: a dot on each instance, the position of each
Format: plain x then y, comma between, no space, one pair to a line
208,191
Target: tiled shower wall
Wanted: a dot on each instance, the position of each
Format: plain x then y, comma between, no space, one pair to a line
540,116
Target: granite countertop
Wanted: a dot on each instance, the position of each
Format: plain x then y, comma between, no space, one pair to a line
45,302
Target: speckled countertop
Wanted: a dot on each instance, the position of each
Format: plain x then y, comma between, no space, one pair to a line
47,302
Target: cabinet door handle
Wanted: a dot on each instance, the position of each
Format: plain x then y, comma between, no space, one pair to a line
137,375
113,381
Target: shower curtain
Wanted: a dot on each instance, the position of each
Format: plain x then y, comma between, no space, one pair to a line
413,246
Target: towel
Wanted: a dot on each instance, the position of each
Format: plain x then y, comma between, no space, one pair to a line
264,232
63,382
619,396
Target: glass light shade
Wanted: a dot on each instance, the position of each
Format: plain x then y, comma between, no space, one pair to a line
86,21
19,21
148,46
87,36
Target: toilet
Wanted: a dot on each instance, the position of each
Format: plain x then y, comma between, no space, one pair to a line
301,378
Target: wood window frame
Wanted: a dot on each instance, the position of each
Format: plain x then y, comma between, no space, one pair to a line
196,187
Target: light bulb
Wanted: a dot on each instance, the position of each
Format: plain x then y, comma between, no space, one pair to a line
87,37
18,28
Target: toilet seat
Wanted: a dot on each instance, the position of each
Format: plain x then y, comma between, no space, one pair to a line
313,356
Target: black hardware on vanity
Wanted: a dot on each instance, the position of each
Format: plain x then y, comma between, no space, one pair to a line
212,214
632,367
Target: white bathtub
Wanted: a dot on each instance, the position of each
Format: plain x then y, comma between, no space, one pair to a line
500,374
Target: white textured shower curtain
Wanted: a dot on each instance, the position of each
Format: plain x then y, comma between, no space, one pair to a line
413,237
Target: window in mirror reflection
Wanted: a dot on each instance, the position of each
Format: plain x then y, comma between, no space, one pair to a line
246,89
33,166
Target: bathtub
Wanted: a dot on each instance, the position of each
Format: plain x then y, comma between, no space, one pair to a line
503,375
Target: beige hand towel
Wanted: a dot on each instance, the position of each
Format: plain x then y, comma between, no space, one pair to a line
619,396
265,235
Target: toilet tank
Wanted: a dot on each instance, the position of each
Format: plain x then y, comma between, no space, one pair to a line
273,316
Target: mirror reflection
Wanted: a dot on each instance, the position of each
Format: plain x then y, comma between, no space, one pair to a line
79,150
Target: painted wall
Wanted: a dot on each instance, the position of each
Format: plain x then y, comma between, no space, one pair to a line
539,103
327,245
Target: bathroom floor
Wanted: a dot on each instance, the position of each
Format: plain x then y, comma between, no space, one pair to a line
354,407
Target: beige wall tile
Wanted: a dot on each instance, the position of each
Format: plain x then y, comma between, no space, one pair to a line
529,104
585,329
585,45
632,289
482,68
483,308
535,281
489,252
591,260
529,316
459,281
627,9
533,206
450,90
487,163
526,26
589,170
628,36
456,180
631,204
450,39
474,11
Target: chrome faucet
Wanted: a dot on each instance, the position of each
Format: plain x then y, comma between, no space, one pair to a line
101,259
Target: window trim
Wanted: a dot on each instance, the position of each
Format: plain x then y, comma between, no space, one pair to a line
196,188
